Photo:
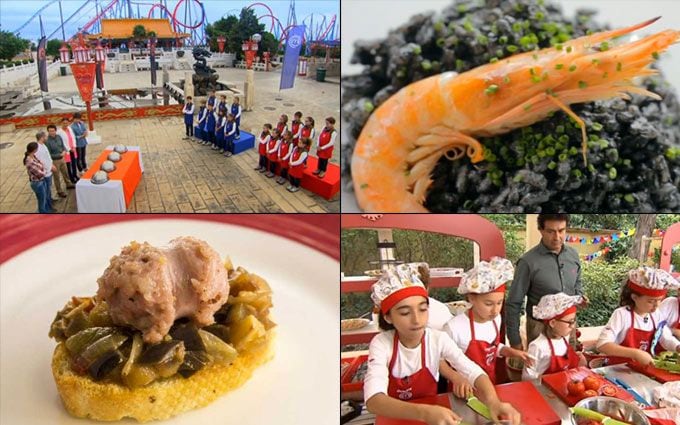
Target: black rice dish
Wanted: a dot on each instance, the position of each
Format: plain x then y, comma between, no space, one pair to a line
633,148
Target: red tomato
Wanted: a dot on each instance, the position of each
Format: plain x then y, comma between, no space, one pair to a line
589,393
592,383
576,388
608,390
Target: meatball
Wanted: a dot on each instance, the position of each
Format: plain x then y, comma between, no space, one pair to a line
148,288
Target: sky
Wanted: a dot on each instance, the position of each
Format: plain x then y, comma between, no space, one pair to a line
14,13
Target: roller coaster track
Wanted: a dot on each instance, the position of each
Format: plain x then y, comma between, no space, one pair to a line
18,30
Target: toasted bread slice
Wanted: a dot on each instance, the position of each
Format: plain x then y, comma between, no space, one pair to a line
86,398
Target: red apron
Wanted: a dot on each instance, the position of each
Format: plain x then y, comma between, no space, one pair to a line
283,151
294,127
262,147
636,338
281,127
307,132
482,352
561,363
271,145
324,139
296,170
420,384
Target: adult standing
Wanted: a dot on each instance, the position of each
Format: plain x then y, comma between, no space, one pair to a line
57,150
80,130
548,268
36,175
71,154
43,155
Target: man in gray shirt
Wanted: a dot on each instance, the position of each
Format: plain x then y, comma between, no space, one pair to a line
548,268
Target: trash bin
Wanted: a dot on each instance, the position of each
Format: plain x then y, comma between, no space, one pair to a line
62,71
321,74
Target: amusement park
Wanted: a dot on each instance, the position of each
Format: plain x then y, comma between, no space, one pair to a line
168,106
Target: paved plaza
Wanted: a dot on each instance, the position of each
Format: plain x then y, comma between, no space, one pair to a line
183,176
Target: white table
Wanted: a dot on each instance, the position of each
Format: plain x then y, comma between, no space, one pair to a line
100,198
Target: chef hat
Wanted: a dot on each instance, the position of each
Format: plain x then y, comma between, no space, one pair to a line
558,305
650,281
422,270
487,277
395,284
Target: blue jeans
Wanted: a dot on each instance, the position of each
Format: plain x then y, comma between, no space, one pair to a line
48,193
40,193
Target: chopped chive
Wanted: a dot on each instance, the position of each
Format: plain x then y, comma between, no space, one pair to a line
605,75
364,186
368,106
532,71
493,60
618,66
506,79
527,106
582,84
604,46
511,48
596,61
438,26
535,56
559,46
503,39
417,50
539,16
535,78
491,89
559,66
461,8
468,26
459,64
559,129
612,173
629,198
568,49
597,126
655,55
441,42
572,68
426,65
552,165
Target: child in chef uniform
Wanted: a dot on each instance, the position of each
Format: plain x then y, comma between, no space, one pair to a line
476,332
551,350
670,311
403,360
631,329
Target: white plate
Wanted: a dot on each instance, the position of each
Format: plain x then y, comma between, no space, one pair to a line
299,386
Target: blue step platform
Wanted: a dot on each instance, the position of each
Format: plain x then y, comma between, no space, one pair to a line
245,142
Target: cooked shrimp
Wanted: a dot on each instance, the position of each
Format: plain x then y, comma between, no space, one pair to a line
397,149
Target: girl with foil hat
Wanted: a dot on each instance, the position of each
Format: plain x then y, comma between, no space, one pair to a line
631,330
403,360
551,350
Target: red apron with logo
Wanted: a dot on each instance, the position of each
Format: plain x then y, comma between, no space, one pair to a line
283,151
420,384
482,352
324,139
262,147
635,338
561,363
272,156
294,128
297,170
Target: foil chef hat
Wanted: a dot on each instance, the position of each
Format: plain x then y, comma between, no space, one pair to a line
558,305
487,276
395,284
650,281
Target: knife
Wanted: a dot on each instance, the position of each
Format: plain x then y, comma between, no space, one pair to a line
628,389
657,336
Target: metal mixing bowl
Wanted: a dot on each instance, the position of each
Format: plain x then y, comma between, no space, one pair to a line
614,408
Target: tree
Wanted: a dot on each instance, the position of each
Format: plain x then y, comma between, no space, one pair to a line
11,45
644,227
139,32
237,30
53,47
269,43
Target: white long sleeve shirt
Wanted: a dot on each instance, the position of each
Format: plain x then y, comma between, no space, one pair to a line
458,328
619,323
300,160
188,109
438,346
64,137
275,149
539,350
44,156
669,311
265,140
439,315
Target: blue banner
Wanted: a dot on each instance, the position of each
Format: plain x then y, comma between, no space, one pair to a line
290,57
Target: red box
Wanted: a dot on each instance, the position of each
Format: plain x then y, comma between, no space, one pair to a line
346,382
328,186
